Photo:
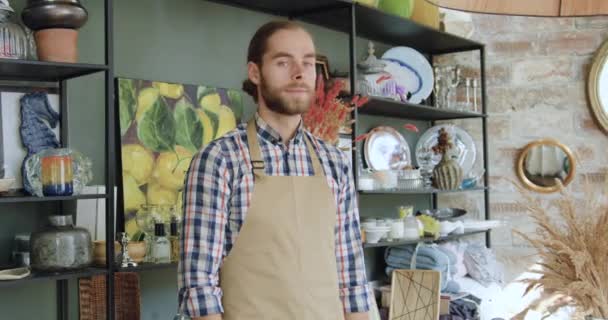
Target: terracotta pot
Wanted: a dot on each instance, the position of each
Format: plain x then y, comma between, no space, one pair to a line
57,45
99,252
137,250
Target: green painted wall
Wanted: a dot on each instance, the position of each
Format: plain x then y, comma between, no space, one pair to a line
188,41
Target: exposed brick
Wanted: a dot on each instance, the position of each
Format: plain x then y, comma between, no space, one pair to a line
499,127
584,152
544,122
511,47
524,98
581,67
504,207
490,24
535,71
591,23
576,42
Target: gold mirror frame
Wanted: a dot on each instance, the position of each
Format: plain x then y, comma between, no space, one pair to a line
531,185
600,59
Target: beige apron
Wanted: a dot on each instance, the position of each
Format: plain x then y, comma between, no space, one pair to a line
283,264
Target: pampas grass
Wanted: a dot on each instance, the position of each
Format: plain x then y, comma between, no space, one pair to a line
573,249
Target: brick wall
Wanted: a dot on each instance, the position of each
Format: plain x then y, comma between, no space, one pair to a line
536,87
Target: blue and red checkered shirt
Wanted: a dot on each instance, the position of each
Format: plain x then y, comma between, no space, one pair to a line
217,195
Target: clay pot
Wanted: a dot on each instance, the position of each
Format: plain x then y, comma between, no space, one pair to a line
99,252
137,250
57,45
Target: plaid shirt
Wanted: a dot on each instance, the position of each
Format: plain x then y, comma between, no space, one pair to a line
218,191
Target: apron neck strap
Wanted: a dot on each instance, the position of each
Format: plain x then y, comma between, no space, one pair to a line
316,163
257,162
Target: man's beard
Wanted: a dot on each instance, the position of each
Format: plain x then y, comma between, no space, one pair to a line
285,105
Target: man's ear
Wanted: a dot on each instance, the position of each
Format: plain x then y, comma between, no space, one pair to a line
253,72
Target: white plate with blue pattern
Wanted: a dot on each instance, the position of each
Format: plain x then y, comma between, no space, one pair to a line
412,70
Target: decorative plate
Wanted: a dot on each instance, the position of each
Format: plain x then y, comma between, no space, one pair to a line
416,75
464,147
386,149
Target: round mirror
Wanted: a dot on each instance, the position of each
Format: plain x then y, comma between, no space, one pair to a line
597,87
544,164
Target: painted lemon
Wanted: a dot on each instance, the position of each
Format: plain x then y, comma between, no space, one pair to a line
169,90
134,197
226,121
208,129
211,102
147,97
160,196
138,162
170,168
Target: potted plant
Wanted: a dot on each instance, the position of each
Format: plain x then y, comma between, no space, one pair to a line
55,24
447,174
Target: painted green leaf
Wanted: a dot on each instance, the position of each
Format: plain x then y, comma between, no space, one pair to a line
215,121
156,128
126,104
202,91
188,126
236,103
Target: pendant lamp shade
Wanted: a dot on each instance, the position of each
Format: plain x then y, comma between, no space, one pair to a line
541,8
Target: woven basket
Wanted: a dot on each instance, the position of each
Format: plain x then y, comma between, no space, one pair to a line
92,297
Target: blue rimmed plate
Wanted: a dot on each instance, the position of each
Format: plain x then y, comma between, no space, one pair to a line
414,72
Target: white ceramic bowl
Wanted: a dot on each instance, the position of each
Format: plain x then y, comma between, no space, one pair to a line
368,224
374,234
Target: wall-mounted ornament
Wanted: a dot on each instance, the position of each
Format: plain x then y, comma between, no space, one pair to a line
596,87
546,165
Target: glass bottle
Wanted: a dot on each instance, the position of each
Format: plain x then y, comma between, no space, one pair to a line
174,239
162,248
14,42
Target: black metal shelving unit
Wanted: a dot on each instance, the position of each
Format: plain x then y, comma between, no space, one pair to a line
358,20
384,244
60,276
32,72
346,16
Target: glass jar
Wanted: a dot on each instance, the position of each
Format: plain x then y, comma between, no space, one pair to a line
56,172
61,247
14,41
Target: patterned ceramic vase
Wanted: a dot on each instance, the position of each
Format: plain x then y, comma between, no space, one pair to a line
447,175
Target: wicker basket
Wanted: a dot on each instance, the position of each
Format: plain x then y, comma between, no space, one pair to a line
92,297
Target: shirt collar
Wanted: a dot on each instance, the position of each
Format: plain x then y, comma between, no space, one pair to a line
270,134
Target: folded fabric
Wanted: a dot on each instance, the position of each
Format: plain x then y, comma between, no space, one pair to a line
451,258
427,258
482,265
459,270
406,252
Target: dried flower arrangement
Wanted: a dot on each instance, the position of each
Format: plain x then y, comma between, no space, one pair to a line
574,252
329,113
444,142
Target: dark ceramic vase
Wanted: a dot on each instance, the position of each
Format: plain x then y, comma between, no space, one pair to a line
62,247
53,14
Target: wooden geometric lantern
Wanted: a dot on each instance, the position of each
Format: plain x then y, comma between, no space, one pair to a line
415,295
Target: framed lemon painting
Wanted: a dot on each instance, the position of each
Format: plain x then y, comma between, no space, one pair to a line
162,126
